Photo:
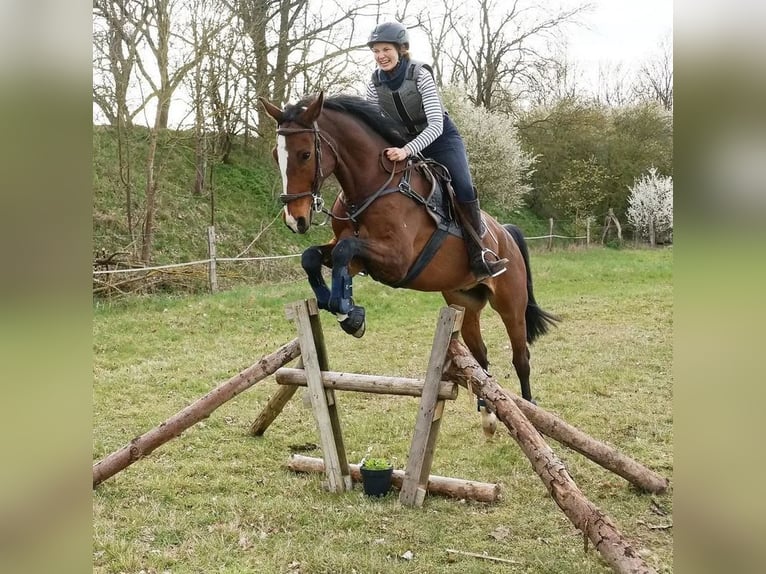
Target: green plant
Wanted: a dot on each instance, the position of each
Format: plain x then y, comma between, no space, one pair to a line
373,463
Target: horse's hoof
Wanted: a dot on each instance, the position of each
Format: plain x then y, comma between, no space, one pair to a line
488,424
354,324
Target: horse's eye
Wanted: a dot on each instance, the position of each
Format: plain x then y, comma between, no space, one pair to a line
305,155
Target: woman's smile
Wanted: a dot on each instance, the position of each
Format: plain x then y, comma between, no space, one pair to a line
386,56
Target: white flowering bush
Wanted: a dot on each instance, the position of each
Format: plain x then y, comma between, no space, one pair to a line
650,205
499,166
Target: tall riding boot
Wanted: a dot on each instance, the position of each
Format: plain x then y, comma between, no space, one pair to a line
477,253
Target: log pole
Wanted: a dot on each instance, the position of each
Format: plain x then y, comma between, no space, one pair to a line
443,485
601,453
375,384
596,525
200,409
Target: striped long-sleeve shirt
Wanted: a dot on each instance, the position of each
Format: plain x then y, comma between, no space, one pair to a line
432,106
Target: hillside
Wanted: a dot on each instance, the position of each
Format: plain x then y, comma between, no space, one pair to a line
246,209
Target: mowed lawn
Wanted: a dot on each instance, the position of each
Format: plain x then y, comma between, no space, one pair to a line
218,500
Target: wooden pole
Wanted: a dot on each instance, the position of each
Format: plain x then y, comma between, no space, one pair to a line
375,384
143,445
446,486
322,400
429,417
601,453
550,233
597,526
212,274
587,231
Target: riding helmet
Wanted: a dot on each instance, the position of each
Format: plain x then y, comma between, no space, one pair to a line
390,32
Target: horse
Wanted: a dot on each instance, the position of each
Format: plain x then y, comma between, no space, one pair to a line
382,226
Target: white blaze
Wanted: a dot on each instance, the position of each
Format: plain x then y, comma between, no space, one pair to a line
282,159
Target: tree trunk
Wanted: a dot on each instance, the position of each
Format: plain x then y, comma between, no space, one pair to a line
151,197
586,516
143,445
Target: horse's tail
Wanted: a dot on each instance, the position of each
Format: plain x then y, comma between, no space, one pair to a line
538,321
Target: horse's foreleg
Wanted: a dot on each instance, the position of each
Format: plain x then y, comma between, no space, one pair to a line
341,301
311,261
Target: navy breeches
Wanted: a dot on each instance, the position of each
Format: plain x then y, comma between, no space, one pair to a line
449,149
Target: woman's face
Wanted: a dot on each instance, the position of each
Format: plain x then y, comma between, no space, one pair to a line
386,55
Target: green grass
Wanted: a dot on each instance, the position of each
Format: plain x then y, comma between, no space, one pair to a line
218,500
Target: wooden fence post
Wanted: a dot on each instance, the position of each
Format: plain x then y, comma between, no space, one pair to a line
550,234
213,277
587,231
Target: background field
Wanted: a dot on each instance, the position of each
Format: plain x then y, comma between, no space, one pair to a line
217,500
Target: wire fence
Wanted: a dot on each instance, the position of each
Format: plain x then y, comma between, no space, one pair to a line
137,277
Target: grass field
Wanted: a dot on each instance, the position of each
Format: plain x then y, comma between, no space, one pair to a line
218,500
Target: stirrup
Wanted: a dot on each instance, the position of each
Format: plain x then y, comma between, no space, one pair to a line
496,262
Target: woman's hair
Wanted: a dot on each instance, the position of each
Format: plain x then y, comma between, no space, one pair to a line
404,52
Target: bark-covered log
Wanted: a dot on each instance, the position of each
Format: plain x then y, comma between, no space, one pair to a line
142,445
371,384
586,516
601,453
444,485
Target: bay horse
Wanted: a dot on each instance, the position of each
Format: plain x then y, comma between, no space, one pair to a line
381,226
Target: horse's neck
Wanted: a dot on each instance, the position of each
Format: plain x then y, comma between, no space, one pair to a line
359,171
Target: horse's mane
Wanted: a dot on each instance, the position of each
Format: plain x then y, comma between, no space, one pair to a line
361,109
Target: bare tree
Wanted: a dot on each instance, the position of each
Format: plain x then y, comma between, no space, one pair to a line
116,29
655,77
614,86
497,47
298,46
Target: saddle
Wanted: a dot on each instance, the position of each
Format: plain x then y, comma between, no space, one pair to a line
439,202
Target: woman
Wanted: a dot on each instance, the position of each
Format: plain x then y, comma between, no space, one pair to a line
405,90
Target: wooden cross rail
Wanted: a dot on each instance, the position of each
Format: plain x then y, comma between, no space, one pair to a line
322,383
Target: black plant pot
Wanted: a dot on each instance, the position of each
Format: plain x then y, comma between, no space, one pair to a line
376,482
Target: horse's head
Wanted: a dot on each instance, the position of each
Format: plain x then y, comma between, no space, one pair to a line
302,164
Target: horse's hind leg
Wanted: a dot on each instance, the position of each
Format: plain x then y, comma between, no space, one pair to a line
516,328
473,302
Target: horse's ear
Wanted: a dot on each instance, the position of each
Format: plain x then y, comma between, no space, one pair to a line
313,110
272,110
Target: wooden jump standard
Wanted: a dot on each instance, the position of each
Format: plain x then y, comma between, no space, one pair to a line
416,480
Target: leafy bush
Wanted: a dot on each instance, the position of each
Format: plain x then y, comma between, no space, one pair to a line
499,166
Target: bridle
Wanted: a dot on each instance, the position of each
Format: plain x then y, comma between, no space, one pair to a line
353,211
315,193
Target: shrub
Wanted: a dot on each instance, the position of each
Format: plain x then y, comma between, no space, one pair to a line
650,206
499,166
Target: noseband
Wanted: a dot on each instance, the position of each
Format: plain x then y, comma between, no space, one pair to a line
319,137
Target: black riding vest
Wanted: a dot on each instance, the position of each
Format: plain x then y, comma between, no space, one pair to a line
404,104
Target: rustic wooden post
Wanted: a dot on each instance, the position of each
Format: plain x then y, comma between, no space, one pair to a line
587,231
275,405
429,416
550,233
652,240
213,277
323,405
